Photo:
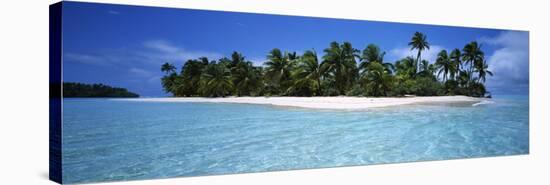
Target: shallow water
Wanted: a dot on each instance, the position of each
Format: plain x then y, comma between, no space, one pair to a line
106,140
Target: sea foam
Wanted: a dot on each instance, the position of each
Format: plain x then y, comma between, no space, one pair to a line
484,102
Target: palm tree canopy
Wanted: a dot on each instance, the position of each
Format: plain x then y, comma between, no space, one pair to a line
472,52
307,76
472,55
168,68
339,63
443,64
372,53
377,79
236,58
419,41
276,65
483,69
216,81
246,78
406,67
456,63
204,60
464,78
279,67
310,64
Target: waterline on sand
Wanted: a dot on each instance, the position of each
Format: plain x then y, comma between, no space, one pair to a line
336,103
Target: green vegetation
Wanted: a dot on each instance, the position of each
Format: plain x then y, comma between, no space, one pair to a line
80,90
341,70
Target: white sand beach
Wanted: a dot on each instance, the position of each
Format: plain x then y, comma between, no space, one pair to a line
339,102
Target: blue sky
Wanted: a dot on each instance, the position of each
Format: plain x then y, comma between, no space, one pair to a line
124,46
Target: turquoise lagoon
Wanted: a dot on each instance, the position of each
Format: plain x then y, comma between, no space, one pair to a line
106,140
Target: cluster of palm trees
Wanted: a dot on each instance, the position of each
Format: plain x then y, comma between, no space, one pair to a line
342,70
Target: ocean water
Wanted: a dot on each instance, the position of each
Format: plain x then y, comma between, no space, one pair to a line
106,140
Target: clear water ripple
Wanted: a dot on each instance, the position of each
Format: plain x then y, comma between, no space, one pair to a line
108,140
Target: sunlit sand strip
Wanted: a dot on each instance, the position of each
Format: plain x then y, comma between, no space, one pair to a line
340,102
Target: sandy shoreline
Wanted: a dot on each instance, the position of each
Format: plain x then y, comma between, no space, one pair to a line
340,102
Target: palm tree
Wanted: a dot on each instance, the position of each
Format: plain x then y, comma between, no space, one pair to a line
339,62
278,68
463,79
246,78
216,81
243,74
308,74
292,56
169,80
236,58
178,86
456,63
204,60
443,64
225,61
471,55
483,69
191,74
378,81
371,54
406,67
426,67
168,68
426,70
419,42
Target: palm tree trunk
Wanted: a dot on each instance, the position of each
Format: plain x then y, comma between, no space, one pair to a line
417,61
471,77
319,86
472,70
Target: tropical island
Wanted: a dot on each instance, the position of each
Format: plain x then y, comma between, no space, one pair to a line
81,90
342,78
342,70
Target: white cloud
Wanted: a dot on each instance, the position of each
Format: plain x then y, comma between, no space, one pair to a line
139,62
510,62
162,46
153,52
85,59
140,72
257,61
514,39
402,52
154,80
160,51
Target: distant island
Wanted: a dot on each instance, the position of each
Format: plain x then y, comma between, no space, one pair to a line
341,71
81,90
